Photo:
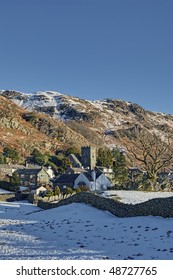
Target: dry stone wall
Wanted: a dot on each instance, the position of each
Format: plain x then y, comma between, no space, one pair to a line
155,207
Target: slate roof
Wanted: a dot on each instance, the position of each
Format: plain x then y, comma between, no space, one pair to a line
66,178
70,178
89,177
73,158
11,166
75,170
29,171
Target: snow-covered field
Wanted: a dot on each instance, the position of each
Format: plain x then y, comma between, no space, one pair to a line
134,197
79,231
4,191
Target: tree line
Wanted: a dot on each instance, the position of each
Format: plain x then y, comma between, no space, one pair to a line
148,152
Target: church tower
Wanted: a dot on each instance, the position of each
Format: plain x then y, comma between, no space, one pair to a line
88,157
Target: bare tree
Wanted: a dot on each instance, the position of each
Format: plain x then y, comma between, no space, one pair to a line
151,153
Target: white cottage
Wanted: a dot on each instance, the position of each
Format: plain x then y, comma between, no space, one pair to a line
40,190
95,181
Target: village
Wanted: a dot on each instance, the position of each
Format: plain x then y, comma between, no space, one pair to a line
81,174
77,215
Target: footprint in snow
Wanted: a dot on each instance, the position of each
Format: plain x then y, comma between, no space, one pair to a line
169,233
129,258
138,255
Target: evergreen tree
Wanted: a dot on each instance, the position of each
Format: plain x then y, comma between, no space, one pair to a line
15,181
120,168
38,157
11,154
72,150
61,162
104,157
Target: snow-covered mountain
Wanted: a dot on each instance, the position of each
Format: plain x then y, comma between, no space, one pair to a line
100,122
69,107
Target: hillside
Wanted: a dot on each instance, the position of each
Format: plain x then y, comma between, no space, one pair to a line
25,131
60,119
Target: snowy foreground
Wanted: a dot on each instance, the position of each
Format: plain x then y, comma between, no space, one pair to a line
79,231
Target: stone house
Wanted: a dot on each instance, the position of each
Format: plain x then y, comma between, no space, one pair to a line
33,178
8,169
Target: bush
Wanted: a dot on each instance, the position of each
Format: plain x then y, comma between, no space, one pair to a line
78,190
57,191
8,186
2,159
68,190
15,180
49,193
84,188
5,185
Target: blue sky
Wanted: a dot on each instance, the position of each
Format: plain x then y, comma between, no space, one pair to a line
92,49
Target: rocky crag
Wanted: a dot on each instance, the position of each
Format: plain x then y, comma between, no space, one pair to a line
50,120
